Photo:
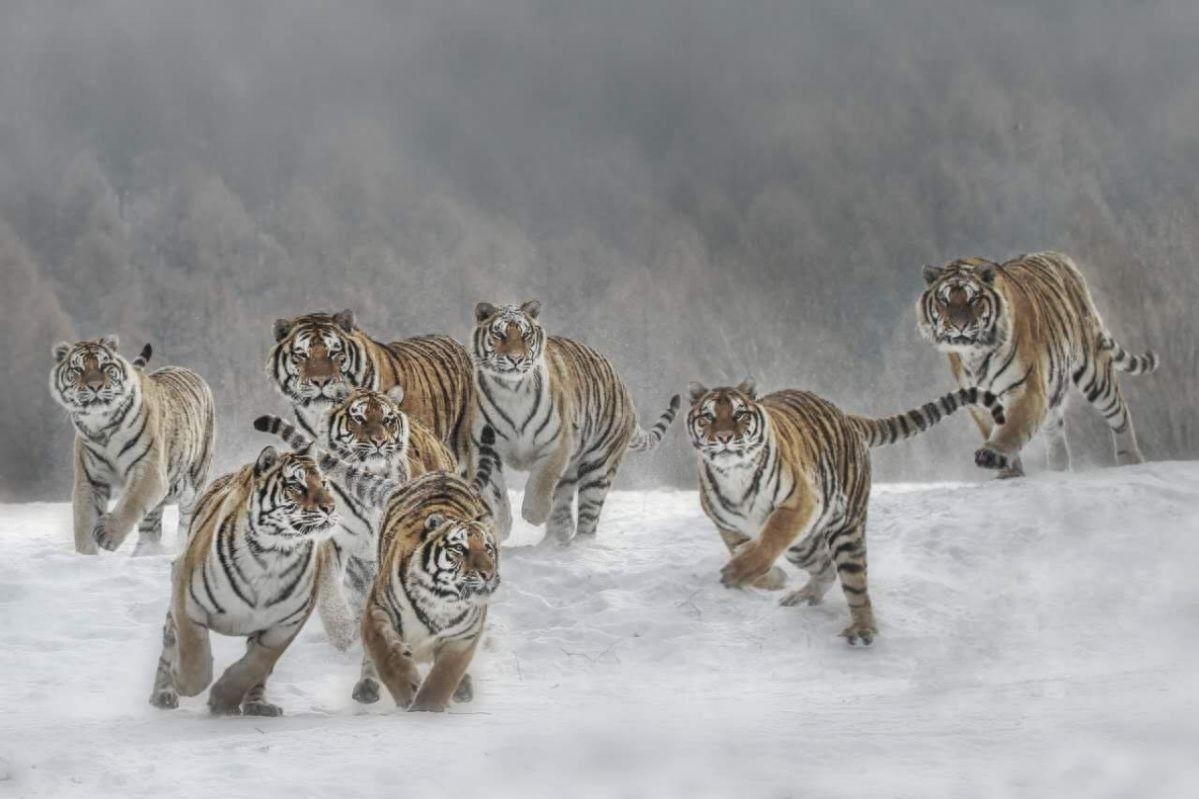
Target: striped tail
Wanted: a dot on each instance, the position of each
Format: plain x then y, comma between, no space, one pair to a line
143,357
369,489
1126,362
488,458
879,432
645,440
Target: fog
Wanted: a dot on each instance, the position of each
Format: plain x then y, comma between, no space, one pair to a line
700,190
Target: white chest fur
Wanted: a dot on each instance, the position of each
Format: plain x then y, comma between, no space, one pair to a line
522,413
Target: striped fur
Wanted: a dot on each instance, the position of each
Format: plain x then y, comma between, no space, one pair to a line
438,567
559,411
368,431
318,357
149,436
1025,330
256,557
789,475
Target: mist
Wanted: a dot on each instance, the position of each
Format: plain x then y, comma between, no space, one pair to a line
699,190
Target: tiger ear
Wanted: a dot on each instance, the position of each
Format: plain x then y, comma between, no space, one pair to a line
112,341
282,328
484,311
696,391
532,308
986,273
931,273
60,351
345,320
266,459
433,521
748,387
396,394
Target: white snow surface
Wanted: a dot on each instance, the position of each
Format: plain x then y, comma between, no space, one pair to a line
1037,638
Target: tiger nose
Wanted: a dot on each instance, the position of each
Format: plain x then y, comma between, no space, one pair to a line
723,436
95,383
323,380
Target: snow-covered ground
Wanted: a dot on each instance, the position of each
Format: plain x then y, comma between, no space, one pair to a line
1038,637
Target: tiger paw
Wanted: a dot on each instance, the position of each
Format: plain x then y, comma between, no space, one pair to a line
366,691
105,533
804,596
535,510
219,707
860,633
747,565
165,699
987,457
773,580
261,708
465,690
148,547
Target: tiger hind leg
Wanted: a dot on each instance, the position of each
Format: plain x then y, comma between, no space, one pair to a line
1057,445
848,547
1097,382
149,533
164,695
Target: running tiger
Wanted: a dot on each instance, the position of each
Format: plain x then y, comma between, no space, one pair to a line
790,474
255,561
438,565
148,434
318,357
559,411
1025,330
368,430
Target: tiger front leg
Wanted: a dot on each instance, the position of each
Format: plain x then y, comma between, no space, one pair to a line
446,677
849,556
391,656
89,501
145,490
545,475
785,524
773,580
1025,411
242,685
164,695
149,533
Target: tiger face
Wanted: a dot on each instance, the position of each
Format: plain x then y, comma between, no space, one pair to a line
726,424
960,309
317,358
90,376
458,559
291,498
508,341
368,428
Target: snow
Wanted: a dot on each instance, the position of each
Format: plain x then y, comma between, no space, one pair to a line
1037,638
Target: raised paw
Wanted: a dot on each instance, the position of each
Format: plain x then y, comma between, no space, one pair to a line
535,510
465,690
165,699
261,707
987,457
366,691
859,633
105,534
747,565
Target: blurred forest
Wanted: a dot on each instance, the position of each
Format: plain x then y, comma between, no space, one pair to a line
701,190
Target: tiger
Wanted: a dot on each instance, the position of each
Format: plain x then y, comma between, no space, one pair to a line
789,474
1026,329
369,430
256,562
149,436
560,411
438,564
318,356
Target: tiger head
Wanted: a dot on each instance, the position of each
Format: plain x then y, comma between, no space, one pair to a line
509,341
726,425
961,309
91,376
457,559
368,428
291,499
317,358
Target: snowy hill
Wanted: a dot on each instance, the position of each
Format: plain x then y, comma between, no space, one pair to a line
1037,638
